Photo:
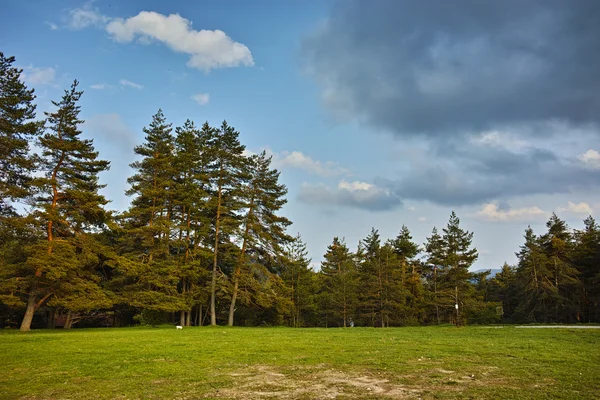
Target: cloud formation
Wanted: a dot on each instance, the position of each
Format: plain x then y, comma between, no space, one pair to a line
577,208
99,86
461,174
39,76
590,159
357,194
297,159
201,98
446,68
86,16
492,213
125,82
208,49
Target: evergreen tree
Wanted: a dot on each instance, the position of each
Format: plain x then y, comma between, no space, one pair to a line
558,246
17,129
341,282
406,250
263,229
458,258
148,268
410,274
535,280
189,216
503,288
435,259
372,278
226,178
69,208
587,261
297,275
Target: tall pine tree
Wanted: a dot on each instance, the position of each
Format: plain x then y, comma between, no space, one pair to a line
18,128
226,178
263,229
69,208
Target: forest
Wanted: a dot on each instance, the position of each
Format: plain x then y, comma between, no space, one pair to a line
204,242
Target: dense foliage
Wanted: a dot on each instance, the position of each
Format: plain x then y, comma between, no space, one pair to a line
204,242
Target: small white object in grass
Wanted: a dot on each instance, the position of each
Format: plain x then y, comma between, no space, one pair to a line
179,327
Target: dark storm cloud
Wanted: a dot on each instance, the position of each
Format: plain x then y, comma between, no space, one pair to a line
441,67
358,195
473,175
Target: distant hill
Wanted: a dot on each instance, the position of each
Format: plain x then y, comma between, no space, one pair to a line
493,271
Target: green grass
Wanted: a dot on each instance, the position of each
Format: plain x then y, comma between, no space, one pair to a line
247,363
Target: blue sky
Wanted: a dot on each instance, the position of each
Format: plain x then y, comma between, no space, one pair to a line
377,113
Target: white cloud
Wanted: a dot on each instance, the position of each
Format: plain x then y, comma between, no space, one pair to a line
125,82
86,16
423,219
297,159
207,49
590,159
38,76
498,139
355,194
581,208
355,186
53,26
100,86
491,212
201,98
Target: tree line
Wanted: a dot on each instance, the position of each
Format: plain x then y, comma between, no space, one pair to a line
204,241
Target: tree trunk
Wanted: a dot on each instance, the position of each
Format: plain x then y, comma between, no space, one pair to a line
233,299
199,321
213,283
238,271
188,318
68,321
26,324
181,318
456,304
437,308
50,324
345,313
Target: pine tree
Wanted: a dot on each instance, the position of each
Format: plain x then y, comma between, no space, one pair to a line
225,177
148,269
263,229
190,198
297,274
558,246
587,261
406,250
69,208
410,273
341,281
17,129
458,258
372,277
435,259
534,279
503,288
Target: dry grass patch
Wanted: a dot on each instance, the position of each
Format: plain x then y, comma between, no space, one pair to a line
311,383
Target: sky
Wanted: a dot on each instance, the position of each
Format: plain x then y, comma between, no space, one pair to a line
377,113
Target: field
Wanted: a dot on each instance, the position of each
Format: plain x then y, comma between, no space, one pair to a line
262,363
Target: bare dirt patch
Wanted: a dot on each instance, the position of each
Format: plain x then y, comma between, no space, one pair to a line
264,382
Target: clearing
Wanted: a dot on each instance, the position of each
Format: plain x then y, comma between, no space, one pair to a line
284,363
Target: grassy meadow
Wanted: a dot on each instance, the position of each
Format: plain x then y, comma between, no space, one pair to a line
254,363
